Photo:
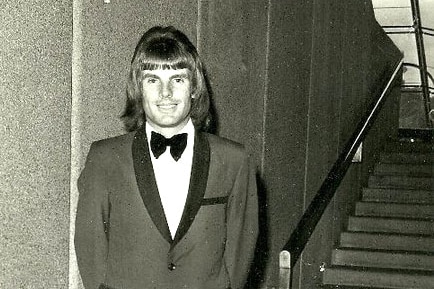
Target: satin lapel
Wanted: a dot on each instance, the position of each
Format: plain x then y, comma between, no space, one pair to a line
146,182
198,183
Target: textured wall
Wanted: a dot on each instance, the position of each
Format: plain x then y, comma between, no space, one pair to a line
286,126
34,147
233,44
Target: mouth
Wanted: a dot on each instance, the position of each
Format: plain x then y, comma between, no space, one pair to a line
167,106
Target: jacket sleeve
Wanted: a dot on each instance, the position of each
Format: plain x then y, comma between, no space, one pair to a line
242,225
92,223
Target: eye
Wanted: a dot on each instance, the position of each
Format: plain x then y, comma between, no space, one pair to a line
151,80
178,80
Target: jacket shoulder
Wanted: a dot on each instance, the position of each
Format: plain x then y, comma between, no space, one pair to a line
112,148
114,142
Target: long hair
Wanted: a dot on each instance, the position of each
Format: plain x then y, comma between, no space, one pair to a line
166,48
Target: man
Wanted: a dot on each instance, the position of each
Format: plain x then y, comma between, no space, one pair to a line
166,205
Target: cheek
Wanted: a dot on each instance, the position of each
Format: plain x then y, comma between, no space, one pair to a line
149,95
188,103
146,104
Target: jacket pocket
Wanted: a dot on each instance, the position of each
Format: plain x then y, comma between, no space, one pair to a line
214,201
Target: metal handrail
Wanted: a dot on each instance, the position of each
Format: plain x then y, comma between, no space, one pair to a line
292,250
421,57
429,75
425,90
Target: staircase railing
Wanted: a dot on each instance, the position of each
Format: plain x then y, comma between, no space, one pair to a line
297,242
425,89
415,9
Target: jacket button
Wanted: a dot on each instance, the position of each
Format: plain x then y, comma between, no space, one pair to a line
171,266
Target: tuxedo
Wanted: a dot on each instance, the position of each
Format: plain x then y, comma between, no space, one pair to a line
122,238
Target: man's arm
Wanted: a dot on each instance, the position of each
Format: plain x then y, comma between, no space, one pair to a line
92,222
242,225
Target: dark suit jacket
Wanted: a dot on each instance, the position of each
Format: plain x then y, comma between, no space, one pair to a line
122,239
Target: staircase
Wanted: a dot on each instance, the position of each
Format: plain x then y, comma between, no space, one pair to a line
389,242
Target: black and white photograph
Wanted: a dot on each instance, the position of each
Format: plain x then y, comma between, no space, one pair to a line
217,144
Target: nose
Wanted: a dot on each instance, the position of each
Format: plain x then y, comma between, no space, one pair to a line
165,90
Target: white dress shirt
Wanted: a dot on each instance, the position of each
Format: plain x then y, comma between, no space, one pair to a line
173,177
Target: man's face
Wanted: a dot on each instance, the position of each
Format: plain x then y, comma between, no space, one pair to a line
167,99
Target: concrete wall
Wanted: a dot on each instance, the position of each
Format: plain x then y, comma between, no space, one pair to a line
35,106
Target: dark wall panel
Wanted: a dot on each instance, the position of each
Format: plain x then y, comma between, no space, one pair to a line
286,120
357,24
323,127
233,43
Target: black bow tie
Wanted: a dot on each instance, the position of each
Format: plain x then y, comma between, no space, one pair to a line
177,144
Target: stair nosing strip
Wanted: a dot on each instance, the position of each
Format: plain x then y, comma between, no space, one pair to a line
382,270
398,252
391,234
394,218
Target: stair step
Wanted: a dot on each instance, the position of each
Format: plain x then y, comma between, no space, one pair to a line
402,182
377,209
390,225
417,135
383,259
334,286
390,239
418,170
396,157
387,241
398,196
411,147
377,278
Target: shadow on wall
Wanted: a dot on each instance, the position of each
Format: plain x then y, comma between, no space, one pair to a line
257,271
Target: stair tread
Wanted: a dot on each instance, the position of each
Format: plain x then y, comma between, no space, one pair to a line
404,182
425,170
406,157
397,205
386,209
410,165
398,195
414,147
411,243
383,259
402,177
362,277
386,252
390,225
394,219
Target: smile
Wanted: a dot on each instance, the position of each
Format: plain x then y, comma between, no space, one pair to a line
167,106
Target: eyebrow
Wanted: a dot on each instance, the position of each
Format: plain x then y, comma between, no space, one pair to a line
178,75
